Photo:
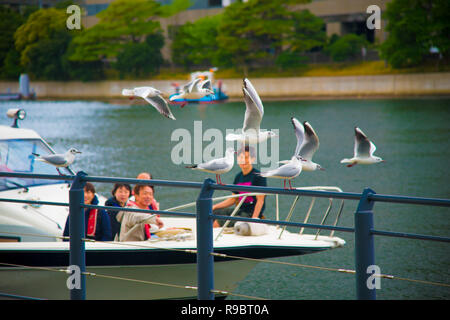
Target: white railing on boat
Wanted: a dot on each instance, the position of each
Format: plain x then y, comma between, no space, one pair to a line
244,196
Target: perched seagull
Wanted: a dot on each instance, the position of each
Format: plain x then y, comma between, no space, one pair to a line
307,145
152,96
195,89
217,166
59,160
254,112
363,151
287,171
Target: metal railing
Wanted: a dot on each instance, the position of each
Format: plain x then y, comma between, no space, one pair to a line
363,223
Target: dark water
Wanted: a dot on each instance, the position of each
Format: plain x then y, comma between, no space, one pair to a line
412,135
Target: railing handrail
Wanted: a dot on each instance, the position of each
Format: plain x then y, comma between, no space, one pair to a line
232,187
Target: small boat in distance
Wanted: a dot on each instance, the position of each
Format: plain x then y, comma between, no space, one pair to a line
218,96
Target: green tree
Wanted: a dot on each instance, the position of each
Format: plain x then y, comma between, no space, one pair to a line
41,25
308,33
346,47
196,43
255,30
10,20
124,21
141,59
413,28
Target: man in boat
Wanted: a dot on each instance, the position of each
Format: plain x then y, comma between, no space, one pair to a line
253,206
97,222
135,226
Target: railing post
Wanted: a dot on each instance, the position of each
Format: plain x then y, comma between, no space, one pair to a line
364,246
76,233
205,260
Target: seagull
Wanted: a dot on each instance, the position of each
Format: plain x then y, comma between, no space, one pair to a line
363,151
196,89
287,171
152,96
59,160
307,145
254,112
217,166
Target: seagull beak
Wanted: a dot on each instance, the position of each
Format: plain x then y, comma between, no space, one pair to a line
321,168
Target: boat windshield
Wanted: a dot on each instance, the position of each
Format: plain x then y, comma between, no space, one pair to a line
17,156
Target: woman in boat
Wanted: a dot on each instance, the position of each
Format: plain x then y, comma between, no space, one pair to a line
135,226
121,192
97,223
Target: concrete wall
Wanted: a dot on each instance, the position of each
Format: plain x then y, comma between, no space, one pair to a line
305,87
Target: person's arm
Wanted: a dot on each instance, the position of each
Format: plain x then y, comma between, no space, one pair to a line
224,204
258,206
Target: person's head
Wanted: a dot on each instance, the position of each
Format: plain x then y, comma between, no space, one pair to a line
121,192
143,195
245,157
89,193
144,175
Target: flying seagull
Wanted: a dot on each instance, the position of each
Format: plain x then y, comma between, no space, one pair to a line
59,160
363,151
307,145
254,112
217,166
196,89
152,96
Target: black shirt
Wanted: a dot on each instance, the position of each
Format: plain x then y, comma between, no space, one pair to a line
251,179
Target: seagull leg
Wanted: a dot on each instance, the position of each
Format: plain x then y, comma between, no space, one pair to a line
290,187
284,184
57,169
183,104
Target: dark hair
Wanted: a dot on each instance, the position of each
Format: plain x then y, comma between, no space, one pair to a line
137,188
247,148
121,185
89,187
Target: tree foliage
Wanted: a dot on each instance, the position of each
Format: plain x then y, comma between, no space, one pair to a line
9,57
346,47
196,43
413,28
141,59
41,25
256,30
124,21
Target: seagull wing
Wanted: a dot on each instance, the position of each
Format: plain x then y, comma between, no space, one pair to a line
161,105
206,85
55,159
299,133
254,108
193,85
310,144
362,144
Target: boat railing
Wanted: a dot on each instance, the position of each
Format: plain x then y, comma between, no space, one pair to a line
363,229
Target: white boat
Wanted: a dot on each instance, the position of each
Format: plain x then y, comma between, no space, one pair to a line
33,259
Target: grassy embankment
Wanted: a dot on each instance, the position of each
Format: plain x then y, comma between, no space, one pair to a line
319,70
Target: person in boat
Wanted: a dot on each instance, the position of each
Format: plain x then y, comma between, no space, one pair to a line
136,226
121,192
253,206
97,222
146,176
